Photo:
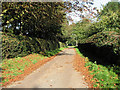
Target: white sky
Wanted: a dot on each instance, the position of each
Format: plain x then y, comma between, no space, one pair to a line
97,3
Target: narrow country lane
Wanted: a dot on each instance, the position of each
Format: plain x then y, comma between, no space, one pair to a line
57,73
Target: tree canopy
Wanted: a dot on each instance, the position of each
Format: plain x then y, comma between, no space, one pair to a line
35,19
111,6
104,32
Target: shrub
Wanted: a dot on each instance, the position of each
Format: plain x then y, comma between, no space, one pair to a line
18,46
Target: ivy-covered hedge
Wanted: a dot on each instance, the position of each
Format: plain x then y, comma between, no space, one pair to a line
101,39
14,46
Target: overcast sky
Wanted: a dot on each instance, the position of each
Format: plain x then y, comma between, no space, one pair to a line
97,3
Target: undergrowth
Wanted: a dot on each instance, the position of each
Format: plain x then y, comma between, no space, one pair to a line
104,76
77,50
52,52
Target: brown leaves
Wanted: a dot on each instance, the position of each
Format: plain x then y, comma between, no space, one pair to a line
80,9
94,8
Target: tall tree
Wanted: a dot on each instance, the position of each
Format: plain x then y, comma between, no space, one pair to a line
111,6
35,19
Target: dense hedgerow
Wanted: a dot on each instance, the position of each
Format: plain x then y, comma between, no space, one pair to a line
103,34
14,46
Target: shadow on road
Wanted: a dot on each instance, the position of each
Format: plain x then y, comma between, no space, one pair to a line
64,53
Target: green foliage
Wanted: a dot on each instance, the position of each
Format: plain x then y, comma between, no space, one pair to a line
31,27
33,19
62,44
34,61
111,6
77,50
104,77
68,33
18,46
11,67
104,32
52,52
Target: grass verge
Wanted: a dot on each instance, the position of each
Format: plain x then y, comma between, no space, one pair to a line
53,52
14,67
103,77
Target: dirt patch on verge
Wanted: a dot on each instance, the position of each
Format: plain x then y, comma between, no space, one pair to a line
79,65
